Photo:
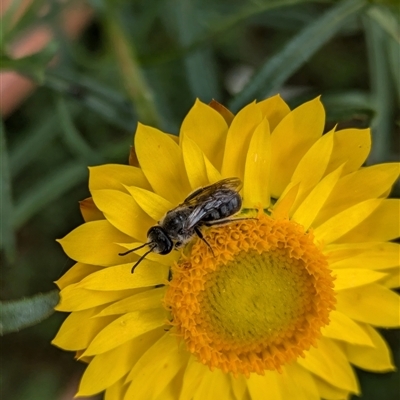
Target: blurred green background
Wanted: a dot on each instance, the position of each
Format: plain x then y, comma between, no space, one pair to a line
101,67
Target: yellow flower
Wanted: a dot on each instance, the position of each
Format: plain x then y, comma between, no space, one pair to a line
288,297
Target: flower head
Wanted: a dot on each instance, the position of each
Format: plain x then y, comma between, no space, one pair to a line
279,298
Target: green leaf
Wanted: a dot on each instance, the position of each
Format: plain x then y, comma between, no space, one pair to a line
7,237
349,105
51,187
394,57
31,142
71,136
19,314
7,19
199,64
93,95
386,20
32,66
221,26
137,87
280,67
381,88
17,19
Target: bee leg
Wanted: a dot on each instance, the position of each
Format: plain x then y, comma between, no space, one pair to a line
200,235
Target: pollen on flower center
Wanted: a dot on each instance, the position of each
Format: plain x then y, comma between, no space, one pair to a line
258,303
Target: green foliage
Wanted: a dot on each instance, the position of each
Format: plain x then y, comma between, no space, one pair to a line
135,62
16,315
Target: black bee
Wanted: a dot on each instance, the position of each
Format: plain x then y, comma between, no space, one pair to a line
207,206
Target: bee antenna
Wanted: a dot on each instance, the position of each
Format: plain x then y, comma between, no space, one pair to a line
136,248
141,258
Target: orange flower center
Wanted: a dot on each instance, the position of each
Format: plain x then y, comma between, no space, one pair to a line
258,302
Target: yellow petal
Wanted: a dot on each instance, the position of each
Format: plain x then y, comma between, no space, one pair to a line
115,176
259,385
351,146
75,274
330,363
99,376
311,167
256,189
79,329
162,163
301,383
312,204
366,183
214,385
194,160
353,277
140,301
194,374
363,255
377,358
148,273
208,129
116,391
225,113
172,389
238,387
213,174
345,329
291,139
330,392
154,205
274,109
89,210
293,383
382,225
345,221
373,304
285,203
124,328
74,298
158,365
93,243
123,212
392,280
238,139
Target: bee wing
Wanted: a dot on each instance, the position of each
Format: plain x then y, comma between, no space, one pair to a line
202,194
205,199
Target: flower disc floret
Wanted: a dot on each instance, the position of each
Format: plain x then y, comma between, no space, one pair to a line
258,302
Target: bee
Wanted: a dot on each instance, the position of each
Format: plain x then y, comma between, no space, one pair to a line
207,206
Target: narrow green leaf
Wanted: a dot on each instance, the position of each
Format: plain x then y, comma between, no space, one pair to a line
394,59
137,87
7,236
54,185
381,88
221,26
9,14
386,20
32,142
71,136
18,314
199,64
93,95
15,23
280,67
349,105
32,66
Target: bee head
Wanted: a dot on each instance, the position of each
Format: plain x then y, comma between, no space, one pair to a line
159,241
